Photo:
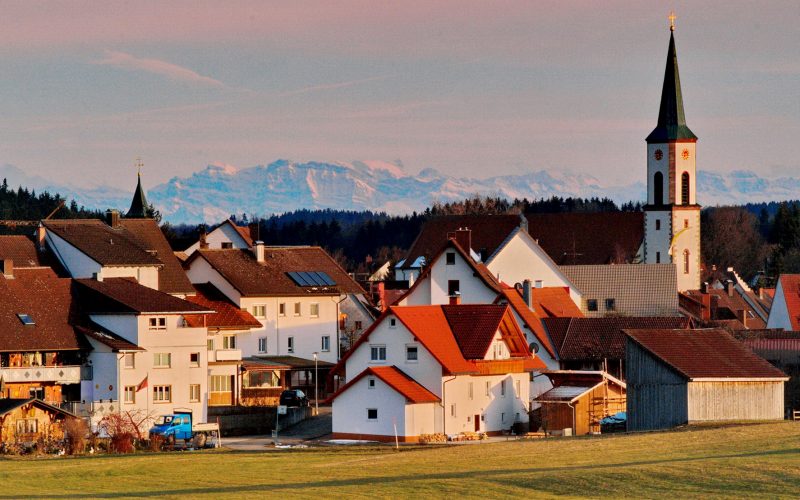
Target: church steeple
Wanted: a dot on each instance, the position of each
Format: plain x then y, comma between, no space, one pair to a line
671,124
139,202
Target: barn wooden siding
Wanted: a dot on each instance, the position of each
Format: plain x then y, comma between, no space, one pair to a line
712,401
657,395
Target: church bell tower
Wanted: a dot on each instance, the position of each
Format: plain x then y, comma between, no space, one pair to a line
672,215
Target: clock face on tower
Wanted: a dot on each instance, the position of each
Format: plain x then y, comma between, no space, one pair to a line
685,154
658,154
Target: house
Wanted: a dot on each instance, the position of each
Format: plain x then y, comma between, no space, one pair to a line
298,295
625,289
579,400
41,353
226,235
146,357
727,301
24,421
785,311
676,377
437,369
599,343
782,350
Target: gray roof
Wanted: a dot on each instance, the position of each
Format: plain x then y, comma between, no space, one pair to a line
637,289
565,392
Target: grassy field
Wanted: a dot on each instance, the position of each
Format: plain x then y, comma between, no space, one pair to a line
743,460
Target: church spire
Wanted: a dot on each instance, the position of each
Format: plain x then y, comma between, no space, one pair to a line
671,124
139,202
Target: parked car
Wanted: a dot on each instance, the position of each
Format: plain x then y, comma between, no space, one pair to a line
294,397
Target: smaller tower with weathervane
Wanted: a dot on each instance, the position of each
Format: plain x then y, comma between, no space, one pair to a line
672,215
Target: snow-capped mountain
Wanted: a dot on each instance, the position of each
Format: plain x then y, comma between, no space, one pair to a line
212,194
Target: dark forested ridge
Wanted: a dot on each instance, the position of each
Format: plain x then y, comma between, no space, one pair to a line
23,205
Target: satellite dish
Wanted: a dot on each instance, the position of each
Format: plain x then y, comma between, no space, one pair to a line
534,347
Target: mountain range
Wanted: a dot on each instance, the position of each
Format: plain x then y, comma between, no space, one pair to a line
217,191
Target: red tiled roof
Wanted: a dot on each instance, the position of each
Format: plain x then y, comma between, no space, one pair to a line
588,238
706,353
725,307
554,302
226,315
429,325
48,301
790,284
244,232
268,278
474,327
126,296
530,318
21,250
397,380
578,339
488,233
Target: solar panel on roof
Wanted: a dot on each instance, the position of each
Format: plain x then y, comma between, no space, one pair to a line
311,278
325,278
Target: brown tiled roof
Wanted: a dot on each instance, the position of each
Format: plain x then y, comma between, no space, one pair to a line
397,380
474,326
588,238
726,307
638,289
226,315
268,278
171,278
105,245
126,296
488,233
706,353
48,301
600,338
244,232
21,250
112,340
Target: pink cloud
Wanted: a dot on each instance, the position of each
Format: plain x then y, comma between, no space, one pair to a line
157,67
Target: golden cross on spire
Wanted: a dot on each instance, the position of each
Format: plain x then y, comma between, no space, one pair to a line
672,18
139,165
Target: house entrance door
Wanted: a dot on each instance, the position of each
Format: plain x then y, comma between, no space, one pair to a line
477,419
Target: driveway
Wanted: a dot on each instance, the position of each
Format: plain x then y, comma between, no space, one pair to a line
309,429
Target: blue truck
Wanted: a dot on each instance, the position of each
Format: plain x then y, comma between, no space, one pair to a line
180,426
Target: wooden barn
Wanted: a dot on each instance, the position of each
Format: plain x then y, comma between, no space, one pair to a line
684,376
25,421
579,400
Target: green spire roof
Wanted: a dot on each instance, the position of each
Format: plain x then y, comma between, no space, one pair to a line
671,121
139,203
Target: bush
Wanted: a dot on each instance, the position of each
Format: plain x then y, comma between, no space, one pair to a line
156,442
75,432
122,443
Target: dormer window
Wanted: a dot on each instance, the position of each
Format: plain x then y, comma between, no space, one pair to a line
26,319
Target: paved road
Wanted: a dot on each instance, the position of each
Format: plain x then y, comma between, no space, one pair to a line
308,430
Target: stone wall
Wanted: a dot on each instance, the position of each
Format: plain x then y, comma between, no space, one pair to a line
245,420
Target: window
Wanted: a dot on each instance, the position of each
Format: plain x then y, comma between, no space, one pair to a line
372,414
371,383
453,410
262,344
503,388
130,394
282,309
194,393
658,189
412,353
658,257
358,325
591,304
450,258
377,353
159,323
314,310
297,308
488,388
220,383
260,311
470,390
210,344
289,344
686,261
194,359
518,390
686,223
27,426
162,393
128,361
611,305
452,287
162,360
326,343
658,224
502,417
393,322
229,341
226,244
685,188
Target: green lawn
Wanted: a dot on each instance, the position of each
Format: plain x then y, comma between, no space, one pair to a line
743,460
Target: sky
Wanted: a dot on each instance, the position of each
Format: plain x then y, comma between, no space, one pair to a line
471,88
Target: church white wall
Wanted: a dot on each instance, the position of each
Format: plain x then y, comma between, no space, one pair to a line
653,166
689,240
657,240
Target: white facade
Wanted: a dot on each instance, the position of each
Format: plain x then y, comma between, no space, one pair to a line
433,289
225,233
779,313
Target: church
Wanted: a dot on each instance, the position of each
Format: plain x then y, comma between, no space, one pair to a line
672,214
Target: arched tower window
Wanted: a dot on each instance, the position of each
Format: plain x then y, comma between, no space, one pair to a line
686,261
658,189
685,188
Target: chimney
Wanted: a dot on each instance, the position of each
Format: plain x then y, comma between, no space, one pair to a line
527,294
8,268
259,250
729,287
254,231
538,283
705,310
463,237
455,299
112,217
741,315
41,234
203,241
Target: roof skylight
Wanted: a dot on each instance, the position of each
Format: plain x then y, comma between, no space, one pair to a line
26,319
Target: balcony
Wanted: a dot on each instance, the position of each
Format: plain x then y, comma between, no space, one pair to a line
225,355
57,374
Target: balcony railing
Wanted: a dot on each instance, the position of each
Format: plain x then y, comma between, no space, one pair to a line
59,374
225,355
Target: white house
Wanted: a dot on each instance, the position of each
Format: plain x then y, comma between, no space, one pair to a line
442,369
225,235
785,311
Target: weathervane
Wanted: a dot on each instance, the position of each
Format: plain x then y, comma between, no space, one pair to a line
139,164
672,18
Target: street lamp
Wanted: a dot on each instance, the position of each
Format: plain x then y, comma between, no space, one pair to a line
316,386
